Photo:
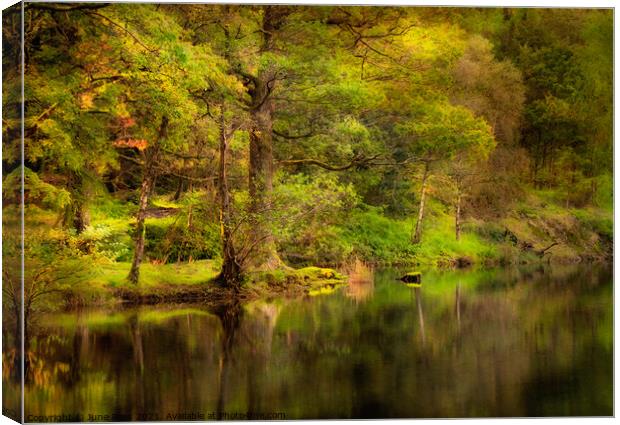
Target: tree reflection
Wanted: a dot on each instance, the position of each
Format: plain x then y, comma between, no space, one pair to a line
230,316
418,301
484,344
457,306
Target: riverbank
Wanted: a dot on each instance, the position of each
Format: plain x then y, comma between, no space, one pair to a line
91,268
187,285
191,282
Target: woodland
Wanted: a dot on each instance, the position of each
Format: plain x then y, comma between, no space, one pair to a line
170,148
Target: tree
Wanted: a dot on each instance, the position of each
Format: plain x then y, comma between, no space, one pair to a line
156,103
65,135
440,132
494,90
560,54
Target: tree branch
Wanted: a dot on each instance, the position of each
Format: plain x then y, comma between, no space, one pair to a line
136,39
57,8
357,161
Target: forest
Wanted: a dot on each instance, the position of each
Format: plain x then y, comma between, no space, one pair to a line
169,148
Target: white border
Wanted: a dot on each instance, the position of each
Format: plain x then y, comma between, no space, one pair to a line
479,3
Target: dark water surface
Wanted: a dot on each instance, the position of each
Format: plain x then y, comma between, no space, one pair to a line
534,342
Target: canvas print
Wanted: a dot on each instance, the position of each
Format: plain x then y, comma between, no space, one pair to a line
279,212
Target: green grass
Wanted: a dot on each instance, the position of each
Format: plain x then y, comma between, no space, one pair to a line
164,202
194,273
377,238
94,281
597,220
97,262
440,247
106,208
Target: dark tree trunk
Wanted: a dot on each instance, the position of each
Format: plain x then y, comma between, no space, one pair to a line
148,181
261,185
265,255
230,275
81,219
77,214
179,191
416,237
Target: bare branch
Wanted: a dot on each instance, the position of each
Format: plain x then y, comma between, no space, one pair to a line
359,160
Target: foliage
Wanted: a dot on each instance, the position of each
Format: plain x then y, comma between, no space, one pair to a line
170,241
321,124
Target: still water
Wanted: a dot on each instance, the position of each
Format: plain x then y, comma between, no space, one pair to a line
516,342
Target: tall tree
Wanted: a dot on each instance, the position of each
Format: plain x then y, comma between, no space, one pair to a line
439,133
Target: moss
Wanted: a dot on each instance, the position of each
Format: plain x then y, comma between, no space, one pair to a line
318,274
164,202
294,282
106,283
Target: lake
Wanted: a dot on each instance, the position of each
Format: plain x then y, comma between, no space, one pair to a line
506,342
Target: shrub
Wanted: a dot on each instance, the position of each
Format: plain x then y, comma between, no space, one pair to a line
376,238
103,240
168,240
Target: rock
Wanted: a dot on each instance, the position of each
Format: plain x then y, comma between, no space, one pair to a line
412,277
463,262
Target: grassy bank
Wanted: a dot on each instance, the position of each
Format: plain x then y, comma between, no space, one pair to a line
106,284
518,237
178,268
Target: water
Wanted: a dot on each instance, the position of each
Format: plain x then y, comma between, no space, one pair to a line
465,344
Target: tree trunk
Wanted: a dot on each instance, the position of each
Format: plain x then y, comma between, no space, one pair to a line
417,233
179,191
77,215
457,218
138,254
230,275
265,255
81,219
148,180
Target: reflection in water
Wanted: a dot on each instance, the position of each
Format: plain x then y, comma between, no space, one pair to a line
457,305
361,282
493,343
229,315
360,291
418,303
